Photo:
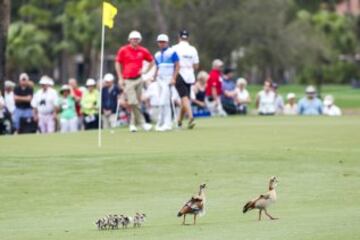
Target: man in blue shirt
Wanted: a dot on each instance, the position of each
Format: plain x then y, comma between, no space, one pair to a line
110,98
167,69
228,87
310,105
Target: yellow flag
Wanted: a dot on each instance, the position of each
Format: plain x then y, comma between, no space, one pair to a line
109,13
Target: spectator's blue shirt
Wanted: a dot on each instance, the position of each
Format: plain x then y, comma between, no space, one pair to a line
227,85
165,61
310,107
110,98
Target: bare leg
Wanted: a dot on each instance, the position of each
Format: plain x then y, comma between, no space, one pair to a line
194,219
184,220
260,211
271,217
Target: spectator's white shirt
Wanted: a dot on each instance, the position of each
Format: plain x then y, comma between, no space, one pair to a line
152,93
332,111
266,102
2,106
45,101
10,101
291,110
188,56
242,95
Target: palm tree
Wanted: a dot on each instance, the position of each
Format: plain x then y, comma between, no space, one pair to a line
4,25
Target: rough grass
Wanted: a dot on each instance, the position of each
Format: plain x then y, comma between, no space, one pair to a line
54,187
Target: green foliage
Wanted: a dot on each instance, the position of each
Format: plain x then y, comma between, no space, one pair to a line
25,46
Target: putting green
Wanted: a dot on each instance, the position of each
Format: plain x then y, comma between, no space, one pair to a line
56,186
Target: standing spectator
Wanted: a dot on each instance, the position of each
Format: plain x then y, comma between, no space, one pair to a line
129,64
279,101
67,109
110,101
310,105
242,98
214,89
198,93
45,103
90,105
291,106
189,62
23,95
9,96
330,109
76,93
167,69
265,100
229,92
151,98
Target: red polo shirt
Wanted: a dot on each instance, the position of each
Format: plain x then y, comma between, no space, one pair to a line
131,60
214,81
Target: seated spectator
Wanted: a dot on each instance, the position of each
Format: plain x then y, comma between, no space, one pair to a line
229,93
265,100
110,100
90,105
310,105
214,90
198,92
23,94
45,103
67,110
291,106
330,109
279,101
242,97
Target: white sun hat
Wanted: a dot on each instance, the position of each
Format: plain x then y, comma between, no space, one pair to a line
9,84
328,100
109,77
135,35
45,80
65,87
24,76
163,38
310,89
291,96
90,82
241,81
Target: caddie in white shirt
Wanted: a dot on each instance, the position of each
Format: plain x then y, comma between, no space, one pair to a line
189,62
167,69
45,103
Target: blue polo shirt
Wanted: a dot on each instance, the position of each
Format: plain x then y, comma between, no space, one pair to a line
228,85
165,61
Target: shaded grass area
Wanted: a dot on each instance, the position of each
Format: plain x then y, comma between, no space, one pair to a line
54,187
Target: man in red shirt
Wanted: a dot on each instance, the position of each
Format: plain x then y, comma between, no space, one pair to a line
77,95
129,65
214,89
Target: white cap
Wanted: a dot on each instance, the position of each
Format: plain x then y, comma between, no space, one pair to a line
135,35
163,38
109,77
46,80
328,100
9,83
24,76
241,81
65,88
310,89
90,82
291,96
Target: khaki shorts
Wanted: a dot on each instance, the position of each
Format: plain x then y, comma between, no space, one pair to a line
133,90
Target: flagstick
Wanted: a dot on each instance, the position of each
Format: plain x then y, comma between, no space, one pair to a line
101,82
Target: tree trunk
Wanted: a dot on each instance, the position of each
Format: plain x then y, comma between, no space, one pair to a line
4,25
160,19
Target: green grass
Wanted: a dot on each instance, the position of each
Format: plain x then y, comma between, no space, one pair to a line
54,187
346,97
